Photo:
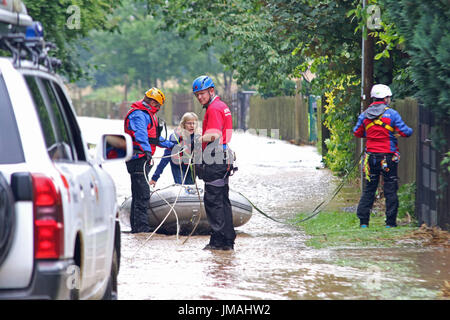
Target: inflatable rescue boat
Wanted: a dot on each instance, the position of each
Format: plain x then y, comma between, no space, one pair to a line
187,210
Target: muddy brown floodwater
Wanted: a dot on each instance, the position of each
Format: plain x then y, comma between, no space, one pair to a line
271,260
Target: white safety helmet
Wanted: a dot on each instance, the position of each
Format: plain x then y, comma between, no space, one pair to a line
380,91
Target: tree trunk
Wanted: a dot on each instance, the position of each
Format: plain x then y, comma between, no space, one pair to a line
228,78
126,83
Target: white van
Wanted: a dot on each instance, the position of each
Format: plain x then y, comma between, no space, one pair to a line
59,232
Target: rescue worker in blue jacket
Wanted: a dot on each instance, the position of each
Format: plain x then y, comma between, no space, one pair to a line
180,163
142,125
380,125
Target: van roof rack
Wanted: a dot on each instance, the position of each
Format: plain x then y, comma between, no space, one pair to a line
25,47
30,46
14,12
23,37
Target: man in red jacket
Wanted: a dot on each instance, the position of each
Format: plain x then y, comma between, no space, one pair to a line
380,125
216,164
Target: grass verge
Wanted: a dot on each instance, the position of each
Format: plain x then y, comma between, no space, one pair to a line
341,229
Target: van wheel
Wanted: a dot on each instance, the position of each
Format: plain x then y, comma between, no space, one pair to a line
7,218
111,289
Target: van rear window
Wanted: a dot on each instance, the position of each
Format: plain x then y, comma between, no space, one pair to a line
10,144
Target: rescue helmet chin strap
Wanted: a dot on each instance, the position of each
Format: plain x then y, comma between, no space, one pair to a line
211,99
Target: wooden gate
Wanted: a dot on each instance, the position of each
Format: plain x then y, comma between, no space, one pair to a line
181,103
240,106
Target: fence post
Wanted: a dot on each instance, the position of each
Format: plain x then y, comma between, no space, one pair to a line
312,104
324,129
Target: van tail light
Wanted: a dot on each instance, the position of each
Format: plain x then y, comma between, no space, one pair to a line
48,218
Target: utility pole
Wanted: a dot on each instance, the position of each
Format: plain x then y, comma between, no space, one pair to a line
367,57
368,53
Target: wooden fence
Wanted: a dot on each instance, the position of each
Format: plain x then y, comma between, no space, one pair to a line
116,110
408,109
433,180
97,108
288,115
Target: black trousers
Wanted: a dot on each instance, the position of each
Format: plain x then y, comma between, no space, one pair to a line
140,192
390,189
220,217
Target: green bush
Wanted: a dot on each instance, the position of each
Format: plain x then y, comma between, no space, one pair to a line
407,197
341,112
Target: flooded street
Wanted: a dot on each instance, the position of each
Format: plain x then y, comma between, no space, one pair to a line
270,260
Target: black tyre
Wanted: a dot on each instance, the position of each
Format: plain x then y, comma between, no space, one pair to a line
111,290
7,218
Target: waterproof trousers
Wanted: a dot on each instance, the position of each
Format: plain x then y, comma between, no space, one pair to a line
390,188
220,218
140,192
216,197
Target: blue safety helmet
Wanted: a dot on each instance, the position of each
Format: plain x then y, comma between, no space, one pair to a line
202,83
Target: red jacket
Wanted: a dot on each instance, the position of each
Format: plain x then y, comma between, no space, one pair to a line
141,139
218,119
378,124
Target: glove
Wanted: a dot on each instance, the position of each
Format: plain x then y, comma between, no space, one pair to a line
148,156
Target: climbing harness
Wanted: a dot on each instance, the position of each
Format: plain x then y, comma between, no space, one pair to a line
383,163
366,167
231,169
379,122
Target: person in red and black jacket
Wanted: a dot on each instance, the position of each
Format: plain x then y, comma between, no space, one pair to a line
216,164
142,125
381,126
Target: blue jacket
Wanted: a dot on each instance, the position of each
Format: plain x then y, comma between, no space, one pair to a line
138,122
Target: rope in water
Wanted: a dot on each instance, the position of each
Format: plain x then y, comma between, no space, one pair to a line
172,207
319,208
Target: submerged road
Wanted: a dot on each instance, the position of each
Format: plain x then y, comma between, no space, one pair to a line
271,260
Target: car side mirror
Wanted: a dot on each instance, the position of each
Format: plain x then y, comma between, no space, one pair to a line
114,147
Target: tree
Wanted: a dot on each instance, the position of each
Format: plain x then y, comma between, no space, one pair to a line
244,26
66,21
263,34
425,27
144,53
271,41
